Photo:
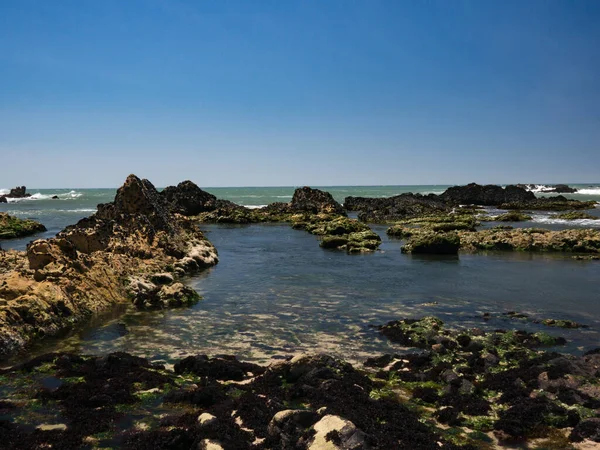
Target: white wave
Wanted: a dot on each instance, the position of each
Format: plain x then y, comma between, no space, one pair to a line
254,206
589,191
579,222
39,196
4,191
283,196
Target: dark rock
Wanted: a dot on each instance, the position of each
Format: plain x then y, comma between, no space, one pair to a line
560,189
395,208
315,201
586,429
188,199
219,367
55,197
18,192
487,195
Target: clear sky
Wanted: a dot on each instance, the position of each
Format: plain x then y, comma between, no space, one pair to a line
295,92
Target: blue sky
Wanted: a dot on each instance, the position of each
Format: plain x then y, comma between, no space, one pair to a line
317,92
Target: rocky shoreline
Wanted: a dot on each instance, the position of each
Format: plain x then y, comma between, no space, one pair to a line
117,255
448,388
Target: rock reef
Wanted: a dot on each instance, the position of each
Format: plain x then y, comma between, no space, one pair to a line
111,257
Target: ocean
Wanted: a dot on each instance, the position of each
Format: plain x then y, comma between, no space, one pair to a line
275,292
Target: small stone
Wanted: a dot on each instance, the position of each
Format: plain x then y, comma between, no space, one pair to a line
206,419
52,427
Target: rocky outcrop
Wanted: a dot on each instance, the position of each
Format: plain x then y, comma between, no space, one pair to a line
399,207
314,201
533,240
429,242
486,195
113,256
574,215
12,227
17,192
339,232
188,199
557,203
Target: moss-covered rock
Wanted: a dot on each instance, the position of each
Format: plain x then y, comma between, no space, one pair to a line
574,215
433,243
512,216
533,239
13,227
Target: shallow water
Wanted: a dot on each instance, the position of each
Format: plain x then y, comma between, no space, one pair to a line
276,292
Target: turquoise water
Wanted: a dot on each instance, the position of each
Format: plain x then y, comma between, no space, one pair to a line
276,292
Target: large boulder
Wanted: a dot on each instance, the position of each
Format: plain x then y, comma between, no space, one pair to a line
314,201
485,195
188,199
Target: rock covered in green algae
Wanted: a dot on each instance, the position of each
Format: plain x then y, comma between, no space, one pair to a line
13,227
512,216
339,232
492,381
574,215
533,239
439,243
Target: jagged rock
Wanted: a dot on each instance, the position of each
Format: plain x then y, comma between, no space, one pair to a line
315,201
487,195
395,208
17,192
188,199
83,269
42,252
